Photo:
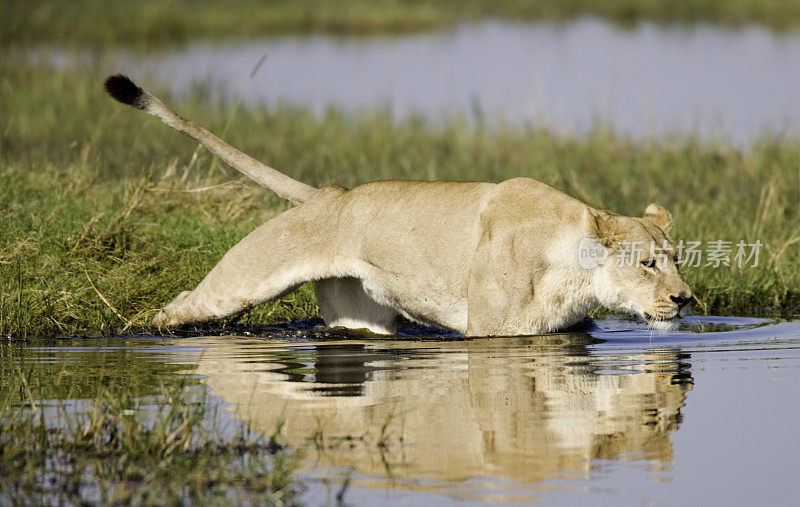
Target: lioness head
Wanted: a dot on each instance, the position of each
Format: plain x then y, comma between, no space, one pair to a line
639,269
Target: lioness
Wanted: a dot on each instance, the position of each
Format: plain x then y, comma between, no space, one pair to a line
478,258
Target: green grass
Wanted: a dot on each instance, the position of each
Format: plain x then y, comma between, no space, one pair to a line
107,214
85,430
108,21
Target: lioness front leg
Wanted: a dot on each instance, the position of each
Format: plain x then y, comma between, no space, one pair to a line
269,262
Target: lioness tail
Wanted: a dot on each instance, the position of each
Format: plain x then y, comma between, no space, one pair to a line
124,90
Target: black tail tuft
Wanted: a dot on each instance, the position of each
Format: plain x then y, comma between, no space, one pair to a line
125,91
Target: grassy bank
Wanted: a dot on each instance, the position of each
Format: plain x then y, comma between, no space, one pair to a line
107,214
88,429
104,21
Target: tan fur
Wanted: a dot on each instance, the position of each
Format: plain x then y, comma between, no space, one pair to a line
478,258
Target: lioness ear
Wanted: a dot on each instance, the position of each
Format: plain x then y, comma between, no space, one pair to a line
599,225
659,215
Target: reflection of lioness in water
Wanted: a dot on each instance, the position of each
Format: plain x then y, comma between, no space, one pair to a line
478,258
529,408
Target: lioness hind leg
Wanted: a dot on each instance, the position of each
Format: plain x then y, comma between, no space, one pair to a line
267,263
344,303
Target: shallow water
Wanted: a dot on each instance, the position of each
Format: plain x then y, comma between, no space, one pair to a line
645,81
616,415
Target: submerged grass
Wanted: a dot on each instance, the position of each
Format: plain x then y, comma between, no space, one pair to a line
68,436
107,214
108,21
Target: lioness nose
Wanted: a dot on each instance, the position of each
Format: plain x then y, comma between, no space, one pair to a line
680,299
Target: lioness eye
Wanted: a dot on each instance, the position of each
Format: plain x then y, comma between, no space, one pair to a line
649,264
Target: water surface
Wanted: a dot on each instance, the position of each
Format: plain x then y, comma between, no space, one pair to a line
644,81
613,416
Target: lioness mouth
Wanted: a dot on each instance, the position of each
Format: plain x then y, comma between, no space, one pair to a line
650,318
